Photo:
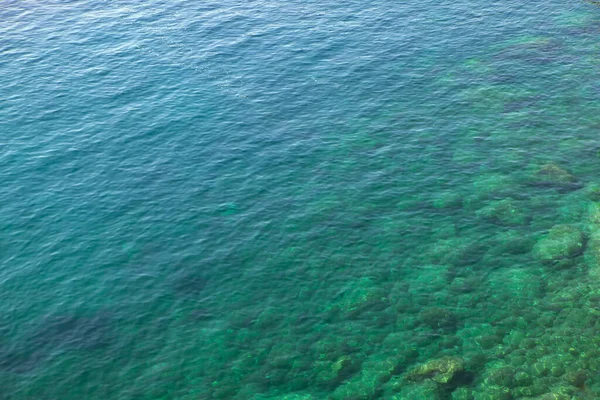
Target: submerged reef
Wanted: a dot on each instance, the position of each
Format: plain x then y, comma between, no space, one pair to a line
511,316
53,335
442,370
476,279
561,243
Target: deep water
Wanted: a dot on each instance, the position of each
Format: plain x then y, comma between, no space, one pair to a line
299,200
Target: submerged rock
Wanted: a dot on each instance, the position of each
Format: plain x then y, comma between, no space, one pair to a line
462,394
592,218
593,192
422,390
553,173
562,242
438,318
503,376
493,393
448,200
457,252
554,177
54,334
332,374
553,396
492,185
503,212
442,370
512,242
592,255
190,284
368,383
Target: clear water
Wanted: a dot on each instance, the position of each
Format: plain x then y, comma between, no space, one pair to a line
299,200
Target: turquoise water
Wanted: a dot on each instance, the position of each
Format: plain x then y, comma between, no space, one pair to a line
299,200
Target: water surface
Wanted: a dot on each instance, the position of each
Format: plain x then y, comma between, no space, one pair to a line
299,200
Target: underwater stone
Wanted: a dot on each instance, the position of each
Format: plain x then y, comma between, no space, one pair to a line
522,378
190,284
448,200
365,295
365,385
553,173
298,383
465,285
438,318
512,242
441,370
224,392
462,394
504,212
563,241
514,337
424,390
334,373
592,255
593,192
296,396
593,217
457,252
446,230
54,333
500,376
476,361
517,360
557,371
553,177
343,366
488,341
291,396
522,392
492,185
576,378
493,393
553,396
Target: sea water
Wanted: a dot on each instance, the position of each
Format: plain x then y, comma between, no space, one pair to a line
299,200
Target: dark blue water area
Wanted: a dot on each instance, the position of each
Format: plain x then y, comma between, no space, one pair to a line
299,200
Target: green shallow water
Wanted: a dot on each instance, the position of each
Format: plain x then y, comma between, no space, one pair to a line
300,201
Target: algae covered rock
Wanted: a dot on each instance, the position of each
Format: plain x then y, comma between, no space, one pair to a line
488,341
504,212
552,176
428,390
553,396
516,283
576,378
448,200
364,296
500,376
491,185
291,396
457,252
493,393
438,318
522,378
562,242
332,374
593,192
462,394
553,173
512,242
592,255
592,219
442,370
357,389
368,383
